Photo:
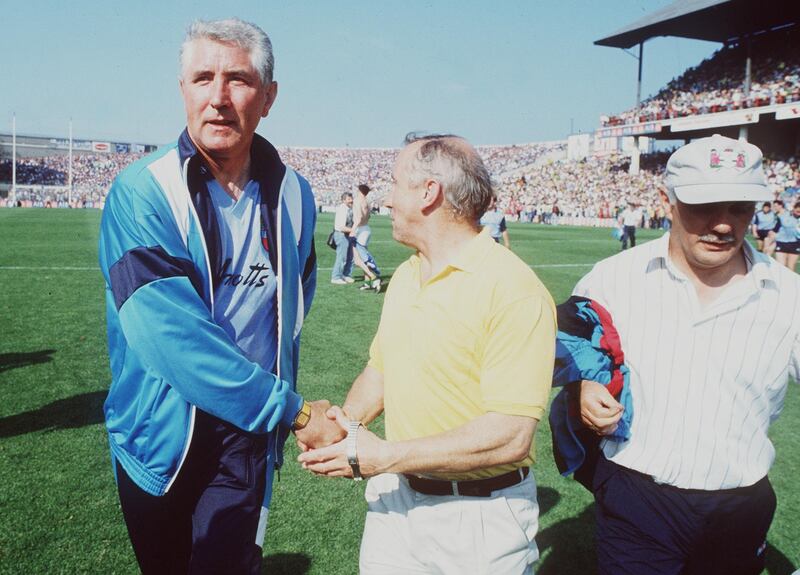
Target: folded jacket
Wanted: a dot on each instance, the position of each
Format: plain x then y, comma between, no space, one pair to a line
587,347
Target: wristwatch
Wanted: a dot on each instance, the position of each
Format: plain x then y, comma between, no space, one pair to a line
303,417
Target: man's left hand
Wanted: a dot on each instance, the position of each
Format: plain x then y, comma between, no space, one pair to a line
331,461
600,412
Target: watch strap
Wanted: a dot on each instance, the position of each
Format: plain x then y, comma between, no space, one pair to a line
352,451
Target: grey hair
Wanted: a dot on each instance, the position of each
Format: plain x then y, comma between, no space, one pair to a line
451,161
234,31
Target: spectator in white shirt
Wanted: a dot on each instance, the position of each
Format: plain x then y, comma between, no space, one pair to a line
630,218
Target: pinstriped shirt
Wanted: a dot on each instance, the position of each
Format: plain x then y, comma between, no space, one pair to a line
706,381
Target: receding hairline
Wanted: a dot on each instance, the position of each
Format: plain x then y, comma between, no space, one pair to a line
233,32
189,47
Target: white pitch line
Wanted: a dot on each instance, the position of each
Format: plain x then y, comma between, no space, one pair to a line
537,266
97,269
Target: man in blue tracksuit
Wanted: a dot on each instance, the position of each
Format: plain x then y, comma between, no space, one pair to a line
208,256
763,228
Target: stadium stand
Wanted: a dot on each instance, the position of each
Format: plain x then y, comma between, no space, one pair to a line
748,89
717,84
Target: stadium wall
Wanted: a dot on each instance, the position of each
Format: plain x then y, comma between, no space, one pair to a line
38,146
775,130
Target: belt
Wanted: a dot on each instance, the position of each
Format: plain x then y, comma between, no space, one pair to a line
470,488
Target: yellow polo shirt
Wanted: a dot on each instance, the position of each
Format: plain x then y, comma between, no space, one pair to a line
478,337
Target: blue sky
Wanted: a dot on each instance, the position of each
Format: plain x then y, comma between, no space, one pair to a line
350,73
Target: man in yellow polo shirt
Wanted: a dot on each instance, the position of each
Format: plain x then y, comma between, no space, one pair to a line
461,365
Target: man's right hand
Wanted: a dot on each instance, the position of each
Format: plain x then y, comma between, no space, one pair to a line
600,412
321,431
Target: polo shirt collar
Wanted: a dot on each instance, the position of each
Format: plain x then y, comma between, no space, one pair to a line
469,259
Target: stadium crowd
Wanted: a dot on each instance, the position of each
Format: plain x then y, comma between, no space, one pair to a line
717,84
44,180
533,181
330,170
594,191
588,192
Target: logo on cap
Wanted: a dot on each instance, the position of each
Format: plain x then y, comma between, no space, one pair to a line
729,158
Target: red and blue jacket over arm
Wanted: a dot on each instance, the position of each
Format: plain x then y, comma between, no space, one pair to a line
587,347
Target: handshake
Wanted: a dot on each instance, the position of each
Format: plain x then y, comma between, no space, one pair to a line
334,445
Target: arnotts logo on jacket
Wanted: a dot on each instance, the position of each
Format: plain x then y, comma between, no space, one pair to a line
258,276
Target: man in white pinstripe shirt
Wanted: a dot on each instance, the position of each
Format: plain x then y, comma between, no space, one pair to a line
711,333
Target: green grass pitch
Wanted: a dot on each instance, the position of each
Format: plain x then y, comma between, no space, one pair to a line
58,506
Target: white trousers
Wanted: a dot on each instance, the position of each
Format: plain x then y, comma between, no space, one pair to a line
408,532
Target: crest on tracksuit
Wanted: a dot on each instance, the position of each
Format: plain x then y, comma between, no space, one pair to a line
264,236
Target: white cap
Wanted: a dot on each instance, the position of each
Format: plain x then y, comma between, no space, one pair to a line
717,169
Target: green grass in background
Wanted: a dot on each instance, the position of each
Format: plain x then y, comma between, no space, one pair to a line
58,506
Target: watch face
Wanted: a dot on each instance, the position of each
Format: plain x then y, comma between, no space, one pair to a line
303,416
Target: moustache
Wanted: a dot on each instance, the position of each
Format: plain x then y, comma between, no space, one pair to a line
717,239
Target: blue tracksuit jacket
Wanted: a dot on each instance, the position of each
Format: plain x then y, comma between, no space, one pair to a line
160,257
